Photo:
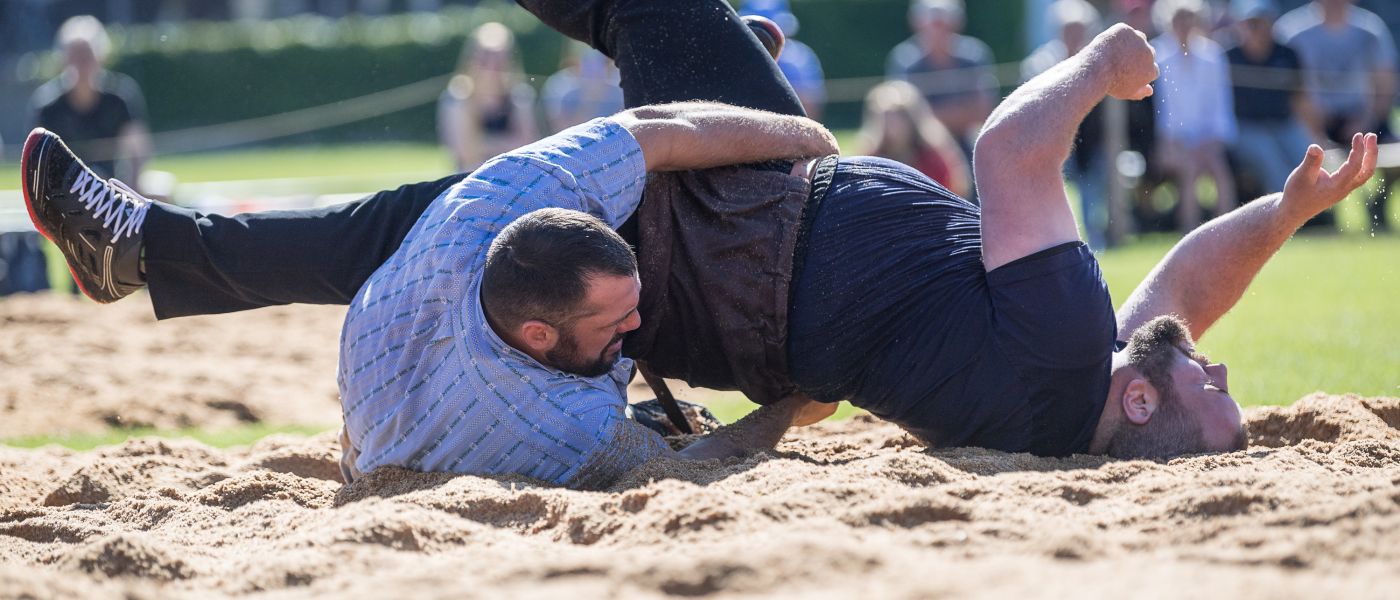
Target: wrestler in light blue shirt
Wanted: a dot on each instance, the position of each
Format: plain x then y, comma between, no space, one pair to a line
427,385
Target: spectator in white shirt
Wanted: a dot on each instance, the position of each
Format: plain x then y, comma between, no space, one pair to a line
1195,112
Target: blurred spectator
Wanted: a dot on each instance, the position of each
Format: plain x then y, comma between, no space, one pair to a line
1349,63
1138,165
1268,90
586,87
1076,22
900,126
99,113
798,62
953,71
1195,112
487,108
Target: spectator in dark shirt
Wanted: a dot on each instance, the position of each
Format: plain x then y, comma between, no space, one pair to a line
487,109
100,113
1268,83
953,71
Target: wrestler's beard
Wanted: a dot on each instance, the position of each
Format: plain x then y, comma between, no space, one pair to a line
565,357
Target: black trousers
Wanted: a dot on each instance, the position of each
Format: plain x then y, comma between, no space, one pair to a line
666,51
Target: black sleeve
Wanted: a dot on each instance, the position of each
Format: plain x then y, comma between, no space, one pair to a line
1295,69
1053,310
130,93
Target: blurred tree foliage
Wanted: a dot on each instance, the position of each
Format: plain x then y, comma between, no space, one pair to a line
202,73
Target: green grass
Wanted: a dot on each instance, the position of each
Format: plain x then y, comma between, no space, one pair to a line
218,438
1321,316
395,163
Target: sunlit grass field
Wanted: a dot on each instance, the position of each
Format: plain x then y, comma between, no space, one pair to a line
1322,316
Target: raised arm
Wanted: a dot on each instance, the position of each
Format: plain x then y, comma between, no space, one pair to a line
697,135
1020,155
1205,274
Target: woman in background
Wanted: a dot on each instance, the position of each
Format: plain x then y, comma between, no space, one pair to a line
487,109
899,125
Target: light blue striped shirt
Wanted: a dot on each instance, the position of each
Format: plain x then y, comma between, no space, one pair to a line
426,384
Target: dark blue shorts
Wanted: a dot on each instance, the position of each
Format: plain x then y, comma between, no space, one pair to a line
886,241
893,310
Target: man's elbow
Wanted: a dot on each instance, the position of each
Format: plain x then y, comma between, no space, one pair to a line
995,145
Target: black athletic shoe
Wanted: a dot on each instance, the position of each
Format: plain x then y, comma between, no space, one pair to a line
768,33
96,223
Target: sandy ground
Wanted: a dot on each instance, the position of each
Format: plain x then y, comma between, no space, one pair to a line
844,509
72,366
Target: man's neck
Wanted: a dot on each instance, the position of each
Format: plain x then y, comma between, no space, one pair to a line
1258,49
938,48
1111,414
1335,16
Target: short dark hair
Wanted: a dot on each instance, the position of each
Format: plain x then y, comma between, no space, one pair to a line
1172,430
1154,347
538,267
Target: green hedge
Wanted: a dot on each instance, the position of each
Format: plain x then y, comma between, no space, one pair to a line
208,73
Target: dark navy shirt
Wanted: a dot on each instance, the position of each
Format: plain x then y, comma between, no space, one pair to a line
1264,89
91,133
893,310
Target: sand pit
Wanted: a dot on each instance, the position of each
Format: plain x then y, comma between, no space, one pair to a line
72,366
842,509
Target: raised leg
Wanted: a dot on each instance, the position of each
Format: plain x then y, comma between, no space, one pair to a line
208,264
675,50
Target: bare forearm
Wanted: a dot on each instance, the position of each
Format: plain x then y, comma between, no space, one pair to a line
1035,126
1207,272
760,430
697,135
1018,159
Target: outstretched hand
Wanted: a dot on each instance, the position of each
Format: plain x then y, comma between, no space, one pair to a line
1311,189
1131,61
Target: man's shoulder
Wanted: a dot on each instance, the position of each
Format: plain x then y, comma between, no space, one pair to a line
1367,21
47,94
120,85
1297,21
1166,46
904,57
568,156
1207,49
972,49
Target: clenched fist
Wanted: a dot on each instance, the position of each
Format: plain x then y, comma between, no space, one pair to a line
1129,61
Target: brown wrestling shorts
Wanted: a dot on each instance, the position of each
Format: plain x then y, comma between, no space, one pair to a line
715,254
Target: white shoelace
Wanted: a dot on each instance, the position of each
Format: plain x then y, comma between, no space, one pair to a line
121,209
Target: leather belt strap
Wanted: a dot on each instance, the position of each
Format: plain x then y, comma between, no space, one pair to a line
666,398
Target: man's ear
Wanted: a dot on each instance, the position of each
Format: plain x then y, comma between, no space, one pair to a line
1140,401
538,337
